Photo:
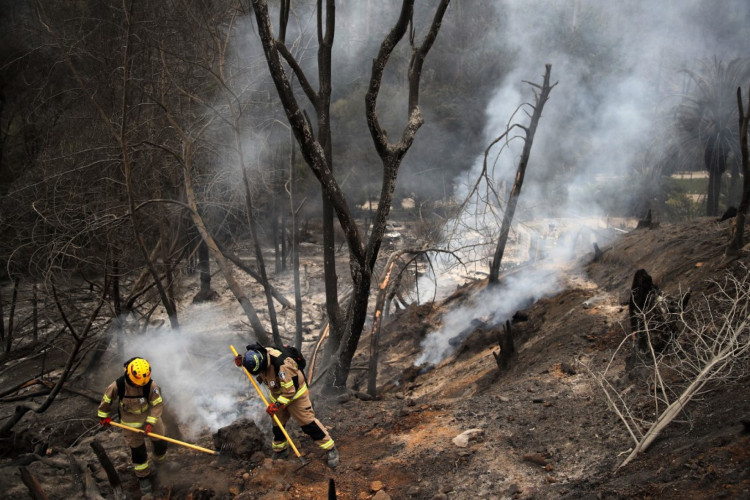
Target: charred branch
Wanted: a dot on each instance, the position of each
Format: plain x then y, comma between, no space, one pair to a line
234,259
79,339
109,468
35,489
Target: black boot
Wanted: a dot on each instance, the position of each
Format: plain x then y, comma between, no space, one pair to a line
145,484
333,458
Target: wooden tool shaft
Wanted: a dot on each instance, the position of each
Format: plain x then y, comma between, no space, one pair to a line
265,401
164,438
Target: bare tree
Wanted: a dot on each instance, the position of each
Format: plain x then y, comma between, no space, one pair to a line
738,237
515,192
346,326
120,133
472,230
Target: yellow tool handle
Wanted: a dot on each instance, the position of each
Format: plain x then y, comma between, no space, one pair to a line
164,438
265,401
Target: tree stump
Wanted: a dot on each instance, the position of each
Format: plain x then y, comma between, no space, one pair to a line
507,349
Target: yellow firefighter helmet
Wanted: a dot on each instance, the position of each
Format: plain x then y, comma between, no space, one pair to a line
138,371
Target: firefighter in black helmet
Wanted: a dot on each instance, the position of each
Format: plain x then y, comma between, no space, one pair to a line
289,397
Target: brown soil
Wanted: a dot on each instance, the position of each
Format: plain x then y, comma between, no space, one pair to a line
544,427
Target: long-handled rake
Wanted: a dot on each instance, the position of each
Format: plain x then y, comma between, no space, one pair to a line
275,418
154,435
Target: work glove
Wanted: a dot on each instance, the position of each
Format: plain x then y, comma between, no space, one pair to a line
105,421
273,408
238,360
147,429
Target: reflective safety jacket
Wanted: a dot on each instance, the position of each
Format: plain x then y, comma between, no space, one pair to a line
288,384
136,409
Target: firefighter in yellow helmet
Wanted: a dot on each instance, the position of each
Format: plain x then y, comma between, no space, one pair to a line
140,406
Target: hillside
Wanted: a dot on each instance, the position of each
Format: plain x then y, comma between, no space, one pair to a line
540,429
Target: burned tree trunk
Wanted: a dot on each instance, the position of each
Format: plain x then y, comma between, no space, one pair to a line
515,192
259,260
11,315
375,335
654,318
738,234
641,296
642,293
507,349
205,293
647,222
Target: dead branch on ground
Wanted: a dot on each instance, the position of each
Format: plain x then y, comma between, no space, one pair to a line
706,345
35,489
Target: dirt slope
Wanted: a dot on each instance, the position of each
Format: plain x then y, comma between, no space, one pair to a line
541,429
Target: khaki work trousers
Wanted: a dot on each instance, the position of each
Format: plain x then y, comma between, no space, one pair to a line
136,440
301,410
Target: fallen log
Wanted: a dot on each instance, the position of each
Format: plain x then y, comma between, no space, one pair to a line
28,395
109,468
249,270
18,387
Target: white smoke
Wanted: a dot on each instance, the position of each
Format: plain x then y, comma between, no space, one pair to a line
194,366
618,70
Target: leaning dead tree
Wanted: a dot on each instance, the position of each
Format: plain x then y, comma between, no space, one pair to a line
474,234
395,267
708,344
540,99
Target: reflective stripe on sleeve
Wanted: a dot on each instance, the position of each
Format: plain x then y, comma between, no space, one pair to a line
286,385
102,414
151,420
156,401
106,399
282,400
